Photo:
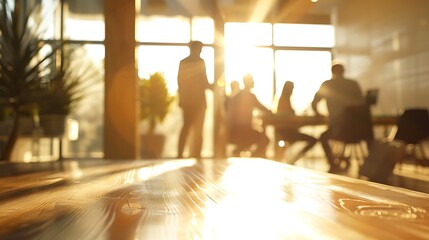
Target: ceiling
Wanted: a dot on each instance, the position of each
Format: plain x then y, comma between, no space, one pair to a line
278,10
302,11
253,10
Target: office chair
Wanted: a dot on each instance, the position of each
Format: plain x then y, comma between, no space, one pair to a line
354,133
412,130
371,97
242,145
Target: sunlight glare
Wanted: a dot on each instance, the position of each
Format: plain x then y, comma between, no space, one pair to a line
307,69
262,9
78,29
252,198
255,61
163,29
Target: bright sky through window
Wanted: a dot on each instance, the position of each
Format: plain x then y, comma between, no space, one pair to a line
261,49
249,48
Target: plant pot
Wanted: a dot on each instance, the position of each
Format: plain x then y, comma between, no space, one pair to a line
152,145
53,124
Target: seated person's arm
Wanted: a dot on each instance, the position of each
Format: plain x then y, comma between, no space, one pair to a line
261,107
314,103
256,104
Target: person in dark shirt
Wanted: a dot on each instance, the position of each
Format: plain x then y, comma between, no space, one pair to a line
192,84
339,93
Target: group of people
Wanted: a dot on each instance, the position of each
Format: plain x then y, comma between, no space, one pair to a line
339,92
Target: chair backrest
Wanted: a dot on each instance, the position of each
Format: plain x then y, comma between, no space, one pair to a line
413,125
355,125
371,97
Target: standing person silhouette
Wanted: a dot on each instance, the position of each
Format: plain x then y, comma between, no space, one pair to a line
192,84
339,93
291,135
239,115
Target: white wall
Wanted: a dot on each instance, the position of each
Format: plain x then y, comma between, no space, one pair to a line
385,44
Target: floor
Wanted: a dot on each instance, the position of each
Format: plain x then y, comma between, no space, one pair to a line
406,176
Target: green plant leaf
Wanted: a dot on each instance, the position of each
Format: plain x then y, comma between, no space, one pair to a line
155,100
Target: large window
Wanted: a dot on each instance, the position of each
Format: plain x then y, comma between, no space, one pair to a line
307,69
248,51
161,51
304,35
81,28
272,53
276,53
84,26
294,52
163,29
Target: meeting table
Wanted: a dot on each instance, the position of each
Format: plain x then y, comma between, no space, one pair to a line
297,121
228,198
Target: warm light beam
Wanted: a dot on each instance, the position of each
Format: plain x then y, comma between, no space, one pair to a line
261,10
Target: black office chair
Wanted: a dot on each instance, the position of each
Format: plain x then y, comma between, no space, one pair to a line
412,130
354,133
242,145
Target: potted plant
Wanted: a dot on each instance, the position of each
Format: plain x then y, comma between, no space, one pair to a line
24,64
155,101
59,97
37,78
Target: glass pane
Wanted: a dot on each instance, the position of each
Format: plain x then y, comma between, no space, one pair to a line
203,30
78,29
307,69
84,21
161,59
253,60
51,19
248,34
304,35
166,59
84,136
163,29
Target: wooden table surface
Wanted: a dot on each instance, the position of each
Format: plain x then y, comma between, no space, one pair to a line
205,199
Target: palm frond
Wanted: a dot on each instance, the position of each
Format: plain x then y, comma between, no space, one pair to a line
22,64
68,83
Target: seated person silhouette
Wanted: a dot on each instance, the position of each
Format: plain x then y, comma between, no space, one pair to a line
339,93
235,88
239,116
291,135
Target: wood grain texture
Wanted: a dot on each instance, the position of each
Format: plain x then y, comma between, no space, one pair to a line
212,199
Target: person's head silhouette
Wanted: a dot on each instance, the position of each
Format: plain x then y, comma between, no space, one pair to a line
248,81
234,87
287,88
337,70
195,47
